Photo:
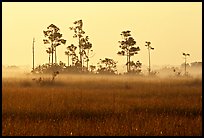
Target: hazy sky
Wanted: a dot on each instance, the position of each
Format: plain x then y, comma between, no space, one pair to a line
172,28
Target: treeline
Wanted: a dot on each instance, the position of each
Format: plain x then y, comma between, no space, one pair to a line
79,62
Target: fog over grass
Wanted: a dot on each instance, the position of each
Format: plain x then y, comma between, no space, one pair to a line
102,105
162,72
98,105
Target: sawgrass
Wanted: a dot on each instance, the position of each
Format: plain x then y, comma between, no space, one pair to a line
102,105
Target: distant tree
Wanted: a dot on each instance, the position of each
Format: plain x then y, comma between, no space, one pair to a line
68,54
53,37
92,67
78,34
149,48
88,54
72,52
128,47
61,64
38,69
185,56
49,51
107,66
135,67
85,47
84,44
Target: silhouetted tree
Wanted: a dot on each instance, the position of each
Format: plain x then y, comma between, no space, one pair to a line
53,36
72,52
68,54
107,66
149,48
61,64
185,56
78,34
127,46
135,67
84,44
49,51
88,57
85,47
92,67
185,66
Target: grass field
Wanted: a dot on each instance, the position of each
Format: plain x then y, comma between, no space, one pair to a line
102,105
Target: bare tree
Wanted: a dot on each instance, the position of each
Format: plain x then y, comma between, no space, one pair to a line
149,48
185,56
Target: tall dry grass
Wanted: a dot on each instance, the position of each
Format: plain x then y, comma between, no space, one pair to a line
102,105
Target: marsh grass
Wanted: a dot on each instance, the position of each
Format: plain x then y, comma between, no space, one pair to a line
102,105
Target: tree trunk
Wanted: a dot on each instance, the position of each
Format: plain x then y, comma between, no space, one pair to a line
49,58
55,55
87,64
33,53
82,62
88,60
185,65
149,62
80,53
68,60
127,63
52,54
72,61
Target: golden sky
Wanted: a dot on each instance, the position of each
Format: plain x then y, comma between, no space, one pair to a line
172,28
